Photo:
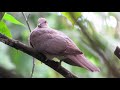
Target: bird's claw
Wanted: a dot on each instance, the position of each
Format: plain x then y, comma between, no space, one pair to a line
59,64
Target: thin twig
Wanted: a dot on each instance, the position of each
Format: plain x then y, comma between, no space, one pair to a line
26,19
33,67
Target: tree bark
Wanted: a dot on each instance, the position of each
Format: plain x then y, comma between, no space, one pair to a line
117,52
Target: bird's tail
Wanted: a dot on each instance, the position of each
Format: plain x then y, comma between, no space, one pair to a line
80,60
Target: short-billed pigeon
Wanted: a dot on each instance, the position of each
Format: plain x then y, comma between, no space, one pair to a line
54,43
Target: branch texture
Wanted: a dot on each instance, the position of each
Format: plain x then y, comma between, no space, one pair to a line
117,52
30,51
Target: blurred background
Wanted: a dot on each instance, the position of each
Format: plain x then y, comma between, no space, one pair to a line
96,34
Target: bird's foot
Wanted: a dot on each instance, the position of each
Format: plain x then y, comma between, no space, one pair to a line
59,64
46,59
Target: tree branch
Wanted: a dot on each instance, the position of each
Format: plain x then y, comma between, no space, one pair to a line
30,51
117,52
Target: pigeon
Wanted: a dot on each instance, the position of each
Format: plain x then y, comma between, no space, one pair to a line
54,43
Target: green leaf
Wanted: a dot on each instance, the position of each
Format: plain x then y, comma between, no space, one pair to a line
70,15
11,19
1,15
4,29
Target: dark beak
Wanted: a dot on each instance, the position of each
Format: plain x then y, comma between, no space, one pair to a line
39,25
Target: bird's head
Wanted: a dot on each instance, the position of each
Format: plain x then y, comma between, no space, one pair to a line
42,23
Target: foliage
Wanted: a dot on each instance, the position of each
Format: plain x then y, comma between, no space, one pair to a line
98,44
69,17
1,15
11,19
4,29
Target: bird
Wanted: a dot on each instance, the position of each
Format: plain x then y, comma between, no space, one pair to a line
55,44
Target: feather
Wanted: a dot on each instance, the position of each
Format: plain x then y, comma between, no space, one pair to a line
80,60
54,43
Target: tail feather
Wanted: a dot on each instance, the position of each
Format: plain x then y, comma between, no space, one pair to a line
80,60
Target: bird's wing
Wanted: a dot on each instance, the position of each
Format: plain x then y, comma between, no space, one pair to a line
53,42
71,48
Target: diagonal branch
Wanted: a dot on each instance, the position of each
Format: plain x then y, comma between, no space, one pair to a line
28,50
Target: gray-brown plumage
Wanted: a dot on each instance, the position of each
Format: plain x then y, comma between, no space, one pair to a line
54,43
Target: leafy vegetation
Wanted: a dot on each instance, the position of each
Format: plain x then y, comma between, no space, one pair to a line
11,19
96,34
4,29
69,17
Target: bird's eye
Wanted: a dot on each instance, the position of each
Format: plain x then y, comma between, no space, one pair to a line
45,21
